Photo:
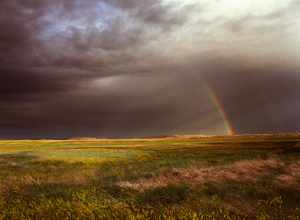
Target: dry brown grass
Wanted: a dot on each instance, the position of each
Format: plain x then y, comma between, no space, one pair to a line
294,169
241,171
290,177
286,180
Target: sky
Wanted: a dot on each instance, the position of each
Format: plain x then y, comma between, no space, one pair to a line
135,68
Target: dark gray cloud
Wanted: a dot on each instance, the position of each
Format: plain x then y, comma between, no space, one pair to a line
138,68
259,98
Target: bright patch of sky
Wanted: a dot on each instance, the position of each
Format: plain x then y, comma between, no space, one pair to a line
231,24
233,8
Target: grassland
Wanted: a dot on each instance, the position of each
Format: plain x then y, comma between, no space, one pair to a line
238,177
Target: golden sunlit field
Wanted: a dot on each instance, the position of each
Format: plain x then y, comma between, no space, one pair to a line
184,177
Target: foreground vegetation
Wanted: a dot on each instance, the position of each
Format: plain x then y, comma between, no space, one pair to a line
240,177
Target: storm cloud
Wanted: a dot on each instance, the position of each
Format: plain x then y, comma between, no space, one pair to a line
131,68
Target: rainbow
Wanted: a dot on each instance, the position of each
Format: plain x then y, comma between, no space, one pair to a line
219,107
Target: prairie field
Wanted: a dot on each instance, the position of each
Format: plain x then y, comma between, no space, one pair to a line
180,177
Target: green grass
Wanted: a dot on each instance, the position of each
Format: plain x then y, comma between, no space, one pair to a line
80,179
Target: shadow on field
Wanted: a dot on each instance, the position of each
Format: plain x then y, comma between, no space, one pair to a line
14,164
22,157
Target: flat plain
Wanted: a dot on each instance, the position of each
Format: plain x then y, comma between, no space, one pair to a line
180,177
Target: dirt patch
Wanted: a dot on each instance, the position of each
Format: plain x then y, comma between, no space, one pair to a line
242,171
